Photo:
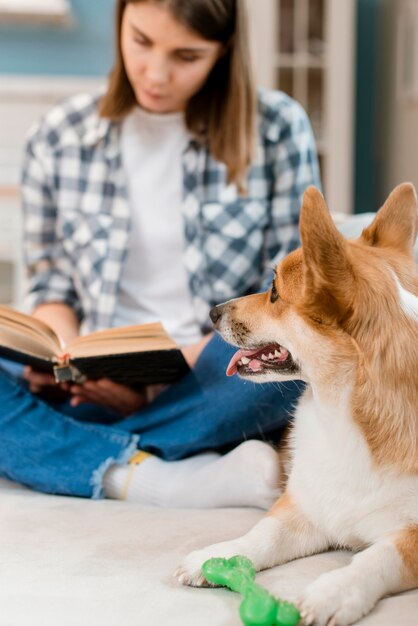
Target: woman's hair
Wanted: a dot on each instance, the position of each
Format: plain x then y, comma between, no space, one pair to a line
223,111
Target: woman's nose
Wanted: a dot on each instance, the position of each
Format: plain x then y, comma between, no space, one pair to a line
157,70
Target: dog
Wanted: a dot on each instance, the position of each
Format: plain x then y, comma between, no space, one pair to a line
341,315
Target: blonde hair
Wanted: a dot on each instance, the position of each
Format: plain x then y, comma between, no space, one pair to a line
223,111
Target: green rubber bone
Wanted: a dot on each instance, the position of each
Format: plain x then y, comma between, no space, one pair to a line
258,607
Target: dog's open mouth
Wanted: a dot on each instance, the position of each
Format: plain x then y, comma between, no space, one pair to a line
270,357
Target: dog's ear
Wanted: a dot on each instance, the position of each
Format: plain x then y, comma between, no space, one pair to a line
395,225
328,273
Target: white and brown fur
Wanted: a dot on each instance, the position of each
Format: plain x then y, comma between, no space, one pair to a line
347,312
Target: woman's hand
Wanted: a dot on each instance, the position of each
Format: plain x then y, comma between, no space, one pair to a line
191,353
44,383
104,392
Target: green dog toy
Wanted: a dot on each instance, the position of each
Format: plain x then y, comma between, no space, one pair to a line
258,607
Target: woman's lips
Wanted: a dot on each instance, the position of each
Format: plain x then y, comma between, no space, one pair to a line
151,94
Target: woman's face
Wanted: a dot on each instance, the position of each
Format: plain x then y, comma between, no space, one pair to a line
165,62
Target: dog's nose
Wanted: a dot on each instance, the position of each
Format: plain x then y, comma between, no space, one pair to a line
215,313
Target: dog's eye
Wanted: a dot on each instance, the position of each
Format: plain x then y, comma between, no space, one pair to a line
274,295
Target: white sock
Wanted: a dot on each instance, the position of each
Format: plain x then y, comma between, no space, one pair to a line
246,476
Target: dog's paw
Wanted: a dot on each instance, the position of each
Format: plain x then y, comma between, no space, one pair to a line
334,599
190,570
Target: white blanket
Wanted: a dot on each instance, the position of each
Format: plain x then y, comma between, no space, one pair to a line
77,562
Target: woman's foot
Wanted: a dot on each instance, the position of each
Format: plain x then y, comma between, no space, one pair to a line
247,476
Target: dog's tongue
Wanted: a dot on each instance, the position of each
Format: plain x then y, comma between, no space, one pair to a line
232,367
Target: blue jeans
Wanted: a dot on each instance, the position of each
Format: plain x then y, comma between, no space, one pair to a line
66,450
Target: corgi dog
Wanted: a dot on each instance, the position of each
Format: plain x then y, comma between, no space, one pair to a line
341,315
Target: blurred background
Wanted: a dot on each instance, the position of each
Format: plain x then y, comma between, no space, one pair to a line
352,64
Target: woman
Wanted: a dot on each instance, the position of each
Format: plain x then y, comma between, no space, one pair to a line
177,189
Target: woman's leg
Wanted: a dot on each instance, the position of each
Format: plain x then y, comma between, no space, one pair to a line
82,413
208,411
51,452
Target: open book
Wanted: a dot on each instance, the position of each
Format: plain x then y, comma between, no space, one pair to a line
130,355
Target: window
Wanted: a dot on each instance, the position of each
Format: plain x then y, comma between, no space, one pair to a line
35,12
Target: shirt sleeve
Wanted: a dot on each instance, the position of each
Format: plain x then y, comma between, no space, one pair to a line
48,269
295,167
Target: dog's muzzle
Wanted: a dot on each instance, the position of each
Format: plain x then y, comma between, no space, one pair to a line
216,313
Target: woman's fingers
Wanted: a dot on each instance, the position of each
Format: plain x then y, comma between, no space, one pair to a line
120,398
35,377
38,381
87,392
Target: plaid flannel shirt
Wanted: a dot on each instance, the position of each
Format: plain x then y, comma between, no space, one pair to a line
77,213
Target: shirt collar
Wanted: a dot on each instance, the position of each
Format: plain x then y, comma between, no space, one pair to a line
103,130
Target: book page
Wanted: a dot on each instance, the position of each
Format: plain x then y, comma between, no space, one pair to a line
27,334
128,339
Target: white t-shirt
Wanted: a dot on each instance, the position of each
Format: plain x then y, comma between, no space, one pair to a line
154,284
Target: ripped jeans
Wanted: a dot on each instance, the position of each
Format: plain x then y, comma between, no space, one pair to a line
66,450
